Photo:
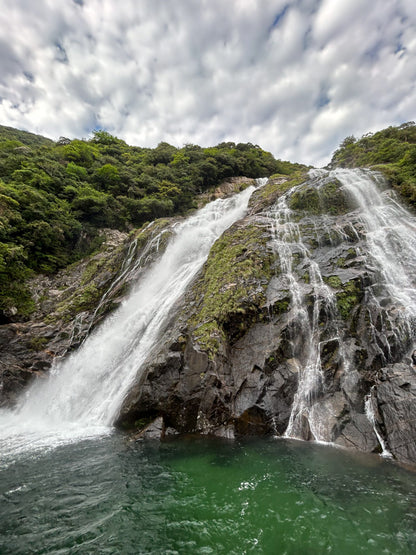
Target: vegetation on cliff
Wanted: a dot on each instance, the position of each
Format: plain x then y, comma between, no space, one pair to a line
392,151
55,197
232,289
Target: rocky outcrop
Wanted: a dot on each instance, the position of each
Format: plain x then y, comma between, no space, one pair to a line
396,417
225,189
71,303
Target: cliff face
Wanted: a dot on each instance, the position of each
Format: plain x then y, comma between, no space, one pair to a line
288,329
70,304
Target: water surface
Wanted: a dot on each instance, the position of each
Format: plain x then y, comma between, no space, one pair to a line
108,495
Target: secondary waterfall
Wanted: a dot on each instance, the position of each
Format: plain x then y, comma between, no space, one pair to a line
307,331
388,230
391,236
326,349
83,392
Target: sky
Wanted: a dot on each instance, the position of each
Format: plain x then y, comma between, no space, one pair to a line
295,77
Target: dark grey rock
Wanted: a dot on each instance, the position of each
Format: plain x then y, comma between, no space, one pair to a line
154,430
396,399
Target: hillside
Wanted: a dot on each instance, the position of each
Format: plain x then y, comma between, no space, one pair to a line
23,137
391,150
56,198
299,321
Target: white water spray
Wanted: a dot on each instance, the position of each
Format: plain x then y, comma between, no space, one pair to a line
390,234
370,413
83,393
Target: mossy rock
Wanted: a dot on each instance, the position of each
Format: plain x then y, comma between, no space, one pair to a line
38,343
329,199
348,294
333,281
232,287
276,186
349,298
306,199
280,307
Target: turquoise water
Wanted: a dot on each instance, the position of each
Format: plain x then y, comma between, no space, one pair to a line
193,496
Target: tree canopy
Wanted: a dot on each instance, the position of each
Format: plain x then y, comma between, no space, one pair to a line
55,197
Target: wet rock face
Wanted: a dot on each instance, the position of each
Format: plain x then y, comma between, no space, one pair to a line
258,315
396,396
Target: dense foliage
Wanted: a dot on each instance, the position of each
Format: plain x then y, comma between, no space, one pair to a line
56,197
392,150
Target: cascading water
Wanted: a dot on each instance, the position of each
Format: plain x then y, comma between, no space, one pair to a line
390,234
309,331
83,393
369,411
388,230
131,266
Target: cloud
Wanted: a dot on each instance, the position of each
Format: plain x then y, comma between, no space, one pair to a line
295,77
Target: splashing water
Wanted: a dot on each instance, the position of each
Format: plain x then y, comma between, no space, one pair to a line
370,413
83,393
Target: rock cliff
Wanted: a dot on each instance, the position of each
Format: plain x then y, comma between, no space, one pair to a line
284,289
288,329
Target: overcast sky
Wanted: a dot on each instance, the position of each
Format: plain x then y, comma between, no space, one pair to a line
294,77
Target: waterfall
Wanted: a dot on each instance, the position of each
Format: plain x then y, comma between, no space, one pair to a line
369,411
388,231
309,330
83,393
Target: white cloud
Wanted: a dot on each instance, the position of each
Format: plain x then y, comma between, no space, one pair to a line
295,77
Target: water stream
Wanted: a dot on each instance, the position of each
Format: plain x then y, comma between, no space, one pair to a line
308,332
389,231
83,393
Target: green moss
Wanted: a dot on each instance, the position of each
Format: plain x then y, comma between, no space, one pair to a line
276,186
146,231
343,260
327,199
38,343
333,199
348,298
86,298
210,337
348,294
306,199
280,307
232,287
333,281
92,269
